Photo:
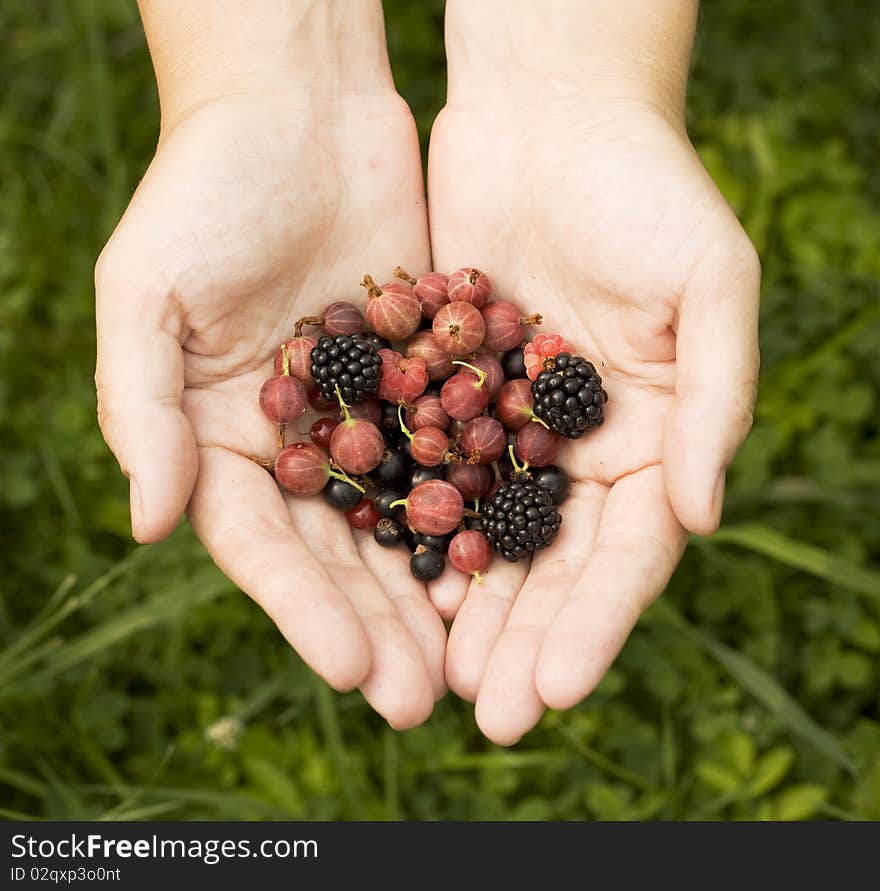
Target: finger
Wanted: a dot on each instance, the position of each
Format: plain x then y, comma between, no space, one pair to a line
398,685
139,381
478,624
410,599
508,704
240,516
637,546
716,374
448,592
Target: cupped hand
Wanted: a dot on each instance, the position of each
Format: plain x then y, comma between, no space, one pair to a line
603,220
257,210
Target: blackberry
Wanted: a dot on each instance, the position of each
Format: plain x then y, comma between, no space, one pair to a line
349,362
568,395
520,518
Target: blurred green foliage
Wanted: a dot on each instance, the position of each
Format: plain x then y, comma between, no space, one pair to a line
137,682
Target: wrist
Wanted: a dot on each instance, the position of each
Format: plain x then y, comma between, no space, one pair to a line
204,50
605,52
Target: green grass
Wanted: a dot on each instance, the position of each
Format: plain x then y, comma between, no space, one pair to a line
138,684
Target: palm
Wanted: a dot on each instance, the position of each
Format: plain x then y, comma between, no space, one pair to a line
603,229
252,222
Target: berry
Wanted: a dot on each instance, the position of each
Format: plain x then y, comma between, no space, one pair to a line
438,363
402,378
421,474
283,399
429,446
380,343
459,328
388,421
357,446
342,318
426,564
427,411
349,363
469,285
302,468
472,480
363,516
343,495
540,351
434,507
555,480
513,364
321,431
318,402
494,372
430,290
438,542
465,395
369,409
568,395
514,405
384,500
299,358
470,553
393,311
536,445
388,533
483,440
391,469
520,518
505,326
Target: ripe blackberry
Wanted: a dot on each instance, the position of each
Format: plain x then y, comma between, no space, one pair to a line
520,518
568,395
350,362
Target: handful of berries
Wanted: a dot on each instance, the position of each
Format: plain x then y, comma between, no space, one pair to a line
433,401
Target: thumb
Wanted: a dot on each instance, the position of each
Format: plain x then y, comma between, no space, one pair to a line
139,381
716,374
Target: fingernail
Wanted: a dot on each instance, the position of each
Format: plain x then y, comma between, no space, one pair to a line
718,496
135,506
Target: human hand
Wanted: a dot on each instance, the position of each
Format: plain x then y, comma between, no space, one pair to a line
597,213
259,208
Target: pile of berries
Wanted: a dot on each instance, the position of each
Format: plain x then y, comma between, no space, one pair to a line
440,424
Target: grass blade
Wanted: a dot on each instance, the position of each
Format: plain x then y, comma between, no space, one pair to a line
816,561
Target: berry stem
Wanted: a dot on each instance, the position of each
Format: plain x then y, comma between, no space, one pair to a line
404,429
475,274
338,473
343,405
306,320
285,361
541,421
534,319
265,463
481,375
281,430
400,501
517,468
478,576
372,288
400,272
